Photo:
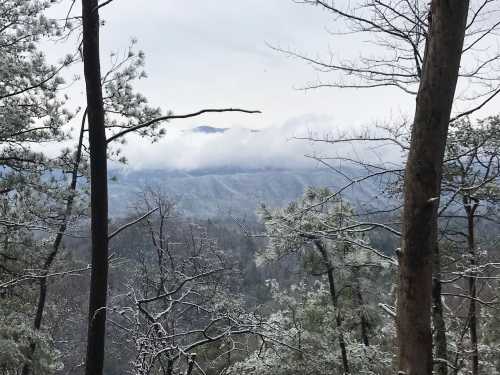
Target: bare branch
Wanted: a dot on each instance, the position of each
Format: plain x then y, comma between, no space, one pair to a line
125,226
174,117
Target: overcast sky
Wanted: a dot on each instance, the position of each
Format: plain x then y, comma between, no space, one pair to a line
215,54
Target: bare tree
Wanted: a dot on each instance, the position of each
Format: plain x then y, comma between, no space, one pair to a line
98,167
99,189
424,50
395,34
180,311
422,184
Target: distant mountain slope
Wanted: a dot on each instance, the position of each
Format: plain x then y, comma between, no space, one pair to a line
228,191
208,129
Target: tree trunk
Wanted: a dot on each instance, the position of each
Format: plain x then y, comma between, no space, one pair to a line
440,341
422,183
99,190
364,324
470,208
333,294
42,294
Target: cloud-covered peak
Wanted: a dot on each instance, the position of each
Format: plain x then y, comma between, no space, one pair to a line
207,146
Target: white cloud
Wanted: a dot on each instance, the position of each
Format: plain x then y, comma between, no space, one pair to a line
272,147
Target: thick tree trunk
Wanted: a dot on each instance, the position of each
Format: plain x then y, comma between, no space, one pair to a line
333,294
99,190
440,341
422,183
470,208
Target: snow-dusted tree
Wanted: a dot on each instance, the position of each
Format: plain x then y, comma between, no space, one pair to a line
31,113
20,251
302,337
69,196
468,216
471,196
327,236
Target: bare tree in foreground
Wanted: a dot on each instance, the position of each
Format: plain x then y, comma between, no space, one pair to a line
98,166
99,189
422,184
424,47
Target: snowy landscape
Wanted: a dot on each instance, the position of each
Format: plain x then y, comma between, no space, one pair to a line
249,188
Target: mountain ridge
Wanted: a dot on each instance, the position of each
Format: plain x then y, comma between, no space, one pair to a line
227,191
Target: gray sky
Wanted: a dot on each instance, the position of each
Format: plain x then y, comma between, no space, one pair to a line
214,54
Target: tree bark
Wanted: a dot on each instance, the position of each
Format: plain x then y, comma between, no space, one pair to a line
99,190
422,183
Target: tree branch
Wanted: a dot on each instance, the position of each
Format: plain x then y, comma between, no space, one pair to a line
174,117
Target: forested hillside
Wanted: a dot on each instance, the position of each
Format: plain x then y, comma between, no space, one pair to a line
299,230
233,192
